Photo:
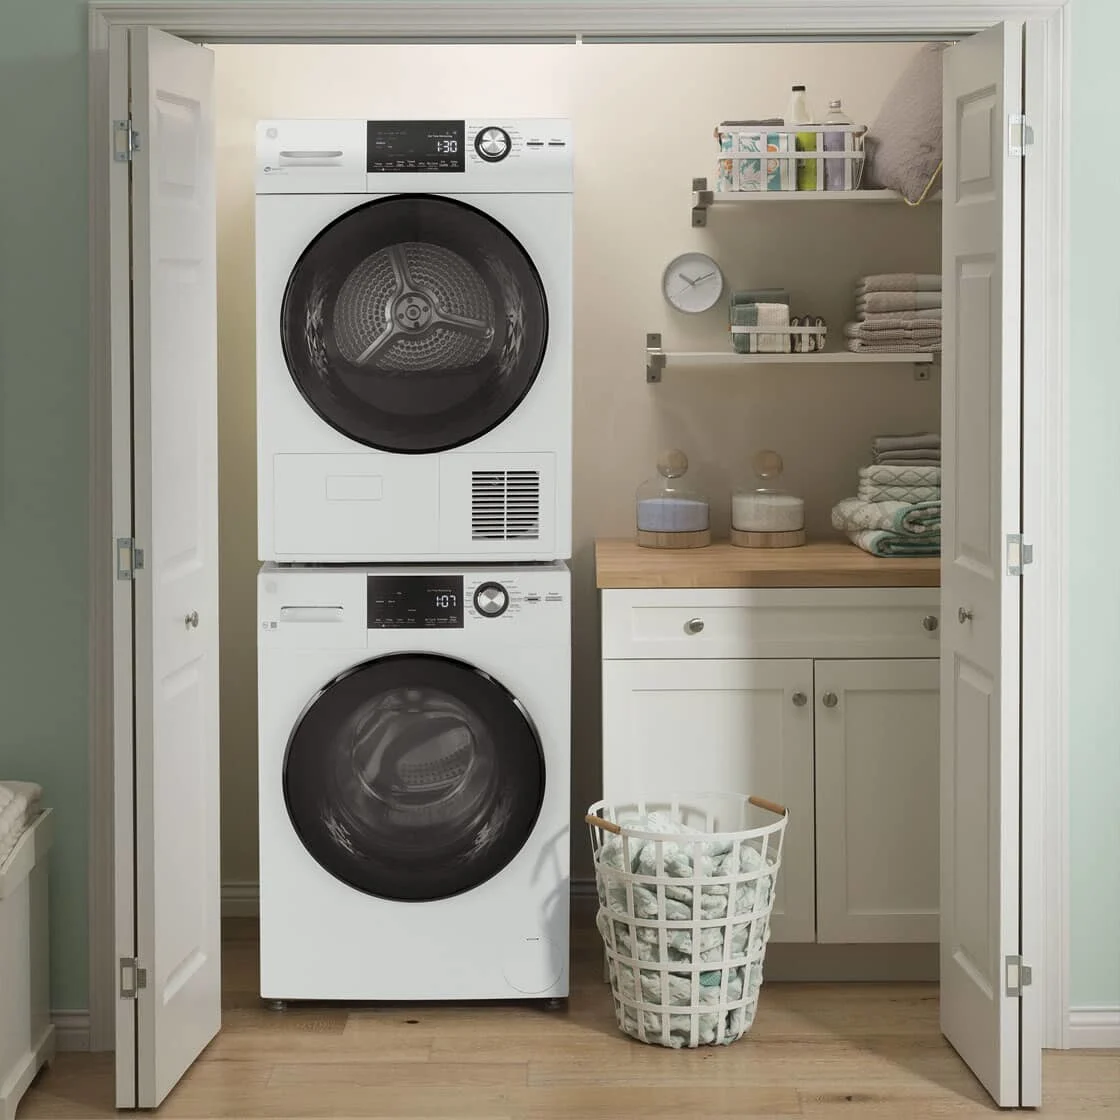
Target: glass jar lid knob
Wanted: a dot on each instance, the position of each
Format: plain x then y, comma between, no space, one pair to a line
767,465
672,464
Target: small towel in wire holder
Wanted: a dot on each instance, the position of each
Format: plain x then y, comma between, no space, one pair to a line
807,335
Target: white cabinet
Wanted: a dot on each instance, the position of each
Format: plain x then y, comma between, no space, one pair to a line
877,800
681,726
824,699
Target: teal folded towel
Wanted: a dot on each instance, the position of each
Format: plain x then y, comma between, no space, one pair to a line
881,543
914,519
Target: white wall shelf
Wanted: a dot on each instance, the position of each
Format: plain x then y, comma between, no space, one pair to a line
703,198
657,359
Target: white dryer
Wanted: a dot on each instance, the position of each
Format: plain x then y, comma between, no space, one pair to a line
414,340
414,782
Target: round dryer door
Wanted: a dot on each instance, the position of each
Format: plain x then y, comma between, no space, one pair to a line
414,777
414,324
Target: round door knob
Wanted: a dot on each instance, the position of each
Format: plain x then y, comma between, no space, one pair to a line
800,699
491,599
694,626
492,144
964,615
192,620
930,622
830,699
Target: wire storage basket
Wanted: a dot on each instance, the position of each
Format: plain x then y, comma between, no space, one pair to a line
685,887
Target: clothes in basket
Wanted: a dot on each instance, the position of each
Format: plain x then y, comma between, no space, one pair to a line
732,934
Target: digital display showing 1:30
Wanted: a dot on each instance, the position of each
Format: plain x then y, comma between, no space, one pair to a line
415,146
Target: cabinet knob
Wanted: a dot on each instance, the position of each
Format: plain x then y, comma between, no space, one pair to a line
830,699
800,699
192,620
964,615
930,622
694,626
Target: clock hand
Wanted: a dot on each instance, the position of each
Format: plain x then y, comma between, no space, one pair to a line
686,279
704,277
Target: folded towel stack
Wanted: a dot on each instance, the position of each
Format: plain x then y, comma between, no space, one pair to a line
19,806
897,312
761,307
897,511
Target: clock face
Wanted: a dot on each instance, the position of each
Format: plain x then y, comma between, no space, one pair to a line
692,282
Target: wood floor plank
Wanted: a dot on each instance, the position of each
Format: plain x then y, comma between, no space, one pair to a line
823,1051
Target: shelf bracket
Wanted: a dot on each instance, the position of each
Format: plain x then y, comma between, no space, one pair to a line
655,358
921,371
701,200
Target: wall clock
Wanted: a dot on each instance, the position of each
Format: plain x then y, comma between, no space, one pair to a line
692,282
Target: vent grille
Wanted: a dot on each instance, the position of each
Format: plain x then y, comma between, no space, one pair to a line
505,505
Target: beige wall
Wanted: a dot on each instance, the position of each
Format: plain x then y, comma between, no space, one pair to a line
643,118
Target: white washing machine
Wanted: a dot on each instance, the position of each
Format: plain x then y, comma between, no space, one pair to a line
414,340
414,782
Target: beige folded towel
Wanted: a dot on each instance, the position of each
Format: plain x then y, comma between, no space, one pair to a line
898,301
894,322
901,334
924,314
901,282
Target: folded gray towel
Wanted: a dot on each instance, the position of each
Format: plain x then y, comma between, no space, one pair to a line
900,474
861,346
906,443
898,301
871,492
857,330
758,295
924,316
888,322
917,455
901,282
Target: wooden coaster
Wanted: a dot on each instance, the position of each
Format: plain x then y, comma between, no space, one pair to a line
699,539
743,538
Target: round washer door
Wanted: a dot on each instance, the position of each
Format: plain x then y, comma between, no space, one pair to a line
414,324
414,777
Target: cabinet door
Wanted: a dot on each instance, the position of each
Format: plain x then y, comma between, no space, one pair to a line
877,800
677,727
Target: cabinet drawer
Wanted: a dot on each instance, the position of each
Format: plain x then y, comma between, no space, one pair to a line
719,623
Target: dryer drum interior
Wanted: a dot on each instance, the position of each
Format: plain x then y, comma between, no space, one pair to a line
414,323
414,777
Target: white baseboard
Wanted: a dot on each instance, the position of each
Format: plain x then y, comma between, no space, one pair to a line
1094,1028
71,1029
240,900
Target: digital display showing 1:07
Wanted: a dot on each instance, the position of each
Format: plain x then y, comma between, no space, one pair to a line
414,602
415,146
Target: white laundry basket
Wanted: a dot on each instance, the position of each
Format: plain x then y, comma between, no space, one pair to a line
686,886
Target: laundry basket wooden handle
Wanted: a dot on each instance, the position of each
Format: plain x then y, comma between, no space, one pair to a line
605,825
768,805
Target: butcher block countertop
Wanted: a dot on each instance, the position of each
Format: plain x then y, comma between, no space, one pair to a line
622,563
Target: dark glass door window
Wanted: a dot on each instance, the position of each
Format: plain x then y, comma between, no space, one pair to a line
414,324
414,777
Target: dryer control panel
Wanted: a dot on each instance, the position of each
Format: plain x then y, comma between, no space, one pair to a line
506,155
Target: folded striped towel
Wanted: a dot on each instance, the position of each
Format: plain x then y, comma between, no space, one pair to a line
862,346
881,543
919,519
919,440
912,317
930,458
888,492
871,326
900,282
900,474
898,301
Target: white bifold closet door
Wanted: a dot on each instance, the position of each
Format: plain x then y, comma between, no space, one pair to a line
980,663
172,927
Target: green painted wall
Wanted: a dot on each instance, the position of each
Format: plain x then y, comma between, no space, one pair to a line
1094,586
44,442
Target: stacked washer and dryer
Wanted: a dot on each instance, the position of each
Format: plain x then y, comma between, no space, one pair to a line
414,428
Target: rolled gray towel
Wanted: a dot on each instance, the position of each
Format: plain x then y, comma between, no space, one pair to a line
906,443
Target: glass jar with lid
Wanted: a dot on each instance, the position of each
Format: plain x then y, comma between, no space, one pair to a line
767,516
670,513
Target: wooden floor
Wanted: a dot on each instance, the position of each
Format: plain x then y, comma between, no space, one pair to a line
859,1051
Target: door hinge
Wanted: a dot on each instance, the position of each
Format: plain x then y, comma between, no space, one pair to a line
130,559
1018,975
126,141
132,978
1019,554
1020,134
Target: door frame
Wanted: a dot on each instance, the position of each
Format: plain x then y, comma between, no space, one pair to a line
1045,903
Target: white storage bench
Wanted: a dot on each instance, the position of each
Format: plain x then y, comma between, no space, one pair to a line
26,1033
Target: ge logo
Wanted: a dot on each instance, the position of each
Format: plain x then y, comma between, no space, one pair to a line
272,133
